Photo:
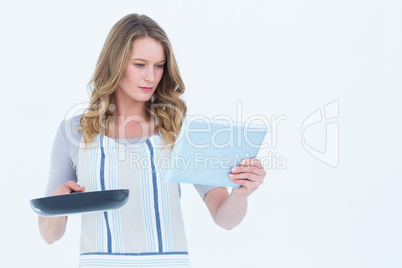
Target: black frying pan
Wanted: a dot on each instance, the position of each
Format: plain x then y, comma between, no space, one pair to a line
80,202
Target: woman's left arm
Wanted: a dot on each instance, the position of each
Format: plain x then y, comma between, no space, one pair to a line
228,210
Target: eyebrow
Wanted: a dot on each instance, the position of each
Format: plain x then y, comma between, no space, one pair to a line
147,61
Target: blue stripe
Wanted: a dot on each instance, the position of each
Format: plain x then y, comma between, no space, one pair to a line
95,184
109,235
146,205
99,226
166,229
115,215
174,263
155,186
138,254
102,181
131,264
102,167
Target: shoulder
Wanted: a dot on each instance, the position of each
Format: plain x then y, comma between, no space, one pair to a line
69,130
71,123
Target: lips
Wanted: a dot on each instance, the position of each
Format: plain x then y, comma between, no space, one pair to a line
146,89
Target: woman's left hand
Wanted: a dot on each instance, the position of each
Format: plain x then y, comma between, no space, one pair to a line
250,174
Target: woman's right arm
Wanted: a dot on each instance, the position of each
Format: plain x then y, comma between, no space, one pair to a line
62,179
53,228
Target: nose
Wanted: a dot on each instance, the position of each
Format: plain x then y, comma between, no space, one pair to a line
149,75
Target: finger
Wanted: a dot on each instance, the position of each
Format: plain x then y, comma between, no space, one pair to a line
73,186
249,169
252,162
249,185
247,176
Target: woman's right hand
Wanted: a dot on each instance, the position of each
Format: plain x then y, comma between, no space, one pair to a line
67,188
53,228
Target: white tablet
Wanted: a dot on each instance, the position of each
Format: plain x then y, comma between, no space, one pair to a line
206,150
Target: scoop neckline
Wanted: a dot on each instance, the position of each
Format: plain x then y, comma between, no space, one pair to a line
133,138
128,146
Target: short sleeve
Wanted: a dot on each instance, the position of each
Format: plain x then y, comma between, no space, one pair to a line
61,164
203,189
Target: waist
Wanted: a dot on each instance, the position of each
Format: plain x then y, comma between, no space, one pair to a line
146,259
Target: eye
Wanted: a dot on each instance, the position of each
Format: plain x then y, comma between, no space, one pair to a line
160,66
139,65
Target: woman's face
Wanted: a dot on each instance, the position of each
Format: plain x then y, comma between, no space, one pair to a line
144,70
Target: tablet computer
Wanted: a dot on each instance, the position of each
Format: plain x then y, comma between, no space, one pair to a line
206,149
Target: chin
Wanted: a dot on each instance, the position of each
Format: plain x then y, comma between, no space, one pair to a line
143,99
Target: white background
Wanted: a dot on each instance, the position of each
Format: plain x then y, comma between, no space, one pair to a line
276,57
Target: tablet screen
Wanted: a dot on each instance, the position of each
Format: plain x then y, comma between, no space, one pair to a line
206,149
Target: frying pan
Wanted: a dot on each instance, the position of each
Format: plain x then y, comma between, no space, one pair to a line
80,202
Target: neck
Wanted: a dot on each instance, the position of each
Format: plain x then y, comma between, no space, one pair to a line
126,107
129,119
124,113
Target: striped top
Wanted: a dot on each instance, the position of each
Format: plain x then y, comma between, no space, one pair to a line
148,231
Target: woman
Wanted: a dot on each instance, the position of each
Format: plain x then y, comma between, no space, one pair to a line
135,110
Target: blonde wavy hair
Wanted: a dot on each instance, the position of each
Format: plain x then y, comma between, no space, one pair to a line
165,106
